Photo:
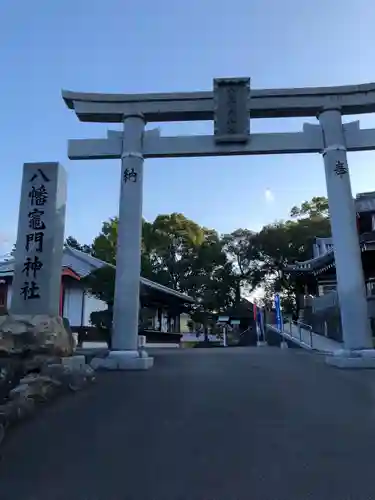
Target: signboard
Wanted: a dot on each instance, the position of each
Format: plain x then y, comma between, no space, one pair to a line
223,319
235,321
279,323
231,109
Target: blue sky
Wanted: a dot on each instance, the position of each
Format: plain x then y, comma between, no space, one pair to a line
166,46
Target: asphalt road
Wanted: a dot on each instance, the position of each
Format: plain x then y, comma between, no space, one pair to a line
219,424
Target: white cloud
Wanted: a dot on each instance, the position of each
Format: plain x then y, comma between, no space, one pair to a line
269,196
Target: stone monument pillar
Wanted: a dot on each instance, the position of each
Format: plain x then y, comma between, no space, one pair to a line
40,240
350,280
34,322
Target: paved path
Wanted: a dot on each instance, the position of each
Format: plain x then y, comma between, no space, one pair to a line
220,424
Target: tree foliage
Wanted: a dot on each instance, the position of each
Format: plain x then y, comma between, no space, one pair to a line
287,242
214,269
316,207
176,252
73,243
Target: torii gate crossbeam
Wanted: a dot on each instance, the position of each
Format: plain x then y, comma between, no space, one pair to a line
158,146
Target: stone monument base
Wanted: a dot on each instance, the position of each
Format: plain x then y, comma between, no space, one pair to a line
35,334
123,360
362,358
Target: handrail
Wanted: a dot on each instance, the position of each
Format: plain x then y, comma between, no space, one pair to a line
301,326
304,336
247,330
305,326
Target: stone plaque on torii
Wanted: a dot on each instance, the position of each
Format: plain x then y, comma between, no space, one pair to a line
230,106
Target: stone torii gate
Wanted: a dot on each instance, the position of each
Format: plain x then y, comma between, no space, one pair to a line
231,105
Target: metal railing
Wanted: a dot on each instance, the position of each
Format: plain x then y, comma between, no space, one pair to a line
244,331
241,334
302,326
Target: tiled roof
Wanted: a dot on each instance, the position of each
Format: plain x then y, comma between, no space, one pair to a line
320,263
83,264
315,266
94,263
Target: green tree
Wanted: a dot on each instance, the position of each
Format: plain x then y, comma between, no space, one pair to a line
209,278
285,242
104,245
317,206
73,243
101,283
242,251
181,254
172,241
177,253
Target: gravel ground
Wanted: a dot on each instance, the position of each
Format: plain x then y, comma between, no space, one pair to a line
215,424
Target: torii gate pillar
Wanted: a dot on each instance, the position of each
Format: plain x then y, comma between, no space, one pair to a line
350,280
125,353
128,257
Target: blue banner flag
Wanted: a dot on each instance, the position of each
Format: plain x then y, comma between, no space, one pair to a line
278,312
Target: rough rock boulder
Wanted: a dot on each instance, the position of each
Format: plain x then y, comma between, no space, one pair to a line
35,334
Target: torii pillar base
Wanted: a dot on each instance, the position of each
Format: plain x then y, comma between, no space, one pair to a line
363,358
123,360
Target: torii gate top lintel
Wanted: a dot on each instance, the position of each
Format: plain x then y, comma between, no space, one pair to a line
190,106
231,105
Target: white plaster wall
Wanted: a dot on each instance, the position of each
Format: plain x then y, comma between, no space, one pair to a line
73,305
92,304
9,297
184,319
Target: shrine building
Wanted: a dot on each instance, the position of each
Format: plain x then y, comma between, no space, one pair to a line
316,278
161,306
